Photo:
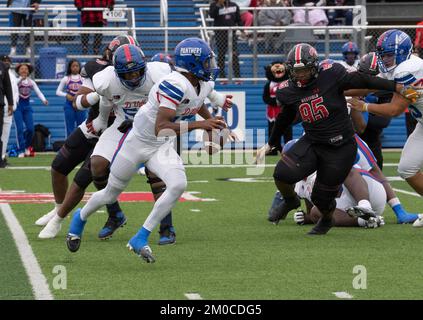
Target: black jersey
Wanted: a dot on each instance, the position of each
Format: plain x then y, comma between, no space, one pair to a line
322,105
88,71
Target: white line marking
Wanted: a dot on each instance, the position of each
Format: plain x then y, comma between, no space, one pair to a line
395,179
195,210
342,295
32,268
407,192
199,181
193,296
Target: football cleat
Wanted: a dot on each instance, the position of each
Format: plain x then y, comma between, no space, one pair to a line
299,217
144,252
374,223
361,212
112,223
322,227
50,230
76,228
46,218
167,236
280,211
419,222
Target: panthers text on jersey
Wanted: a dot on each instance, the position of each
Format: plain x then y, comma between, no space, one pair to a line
177,89
126,102
410,72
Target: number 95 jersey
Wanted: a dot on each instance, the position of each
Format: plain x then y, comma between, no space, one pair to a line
127,102
410,72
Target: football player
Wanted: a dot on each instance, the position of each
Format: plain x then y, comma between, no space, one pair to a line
328,145
179,94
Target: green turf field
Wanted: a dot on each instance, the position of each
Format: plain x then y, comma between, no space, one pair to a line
227,250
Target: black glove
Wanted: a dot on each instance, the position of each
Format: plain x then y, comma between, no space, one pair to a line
125,126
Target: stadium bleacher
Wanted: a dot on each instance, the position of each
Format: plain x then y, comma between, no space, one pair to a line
182,13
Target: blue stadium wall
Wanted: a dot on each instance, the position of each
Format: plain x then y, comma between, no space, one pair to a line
52,116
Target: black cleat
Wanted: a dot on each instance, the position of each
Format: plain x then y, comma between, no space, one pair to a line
112,224
322,227
280,211
73,242
361,212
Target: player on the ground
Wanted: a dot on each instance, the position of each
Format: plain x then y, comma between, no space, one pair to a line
179,94
77,149
328,145
344,201
396,62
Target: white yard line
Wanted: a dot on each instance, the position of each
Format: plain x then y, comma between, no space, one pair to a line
343,295
36,277
193,296
407,192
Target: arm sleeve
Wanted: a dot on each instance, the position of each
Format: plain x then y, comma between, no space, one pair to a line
266,95
38,91
7,85
59,91
283,120
359,80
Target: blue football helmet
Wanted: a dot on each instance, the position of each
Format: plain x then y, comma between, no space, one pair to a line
350,52
162,57
129,58
396,43
195,56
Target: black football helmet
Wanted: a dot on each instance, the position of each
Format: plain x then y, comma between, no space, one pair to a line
368,64
116,43
302,58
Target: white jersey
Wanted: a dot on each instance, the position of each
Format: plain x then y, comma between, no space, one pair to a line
126,102
410,72
349,68
175,92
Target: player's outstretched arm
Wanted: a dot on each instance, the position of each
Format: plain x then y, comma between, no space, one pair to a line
394,108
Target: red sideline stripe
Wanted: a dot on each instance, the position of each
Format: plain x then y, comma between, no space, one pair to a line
128,55
298,54
365,149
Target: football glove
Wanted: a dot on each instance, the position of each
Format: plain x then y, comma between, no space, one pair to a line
410,93
299,217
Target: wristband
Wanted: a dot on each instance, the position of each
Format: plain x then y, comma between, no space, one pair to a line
92,98
78,103
365,107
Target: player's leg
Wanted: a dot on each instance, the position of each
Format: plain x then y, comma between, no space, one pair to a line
333,166
29,124
72,153
7,125
124,166
19,123
166,231
110,142
295,164
411,160
168,166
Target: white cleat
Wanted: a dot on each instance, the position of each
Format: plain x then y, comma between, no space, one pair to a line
141,171
50,230
46,218
419,222
145,253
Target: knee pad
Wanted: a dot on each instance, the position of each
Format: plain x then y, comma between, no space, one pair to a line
285,173
101,182
406,171
83,177
323,197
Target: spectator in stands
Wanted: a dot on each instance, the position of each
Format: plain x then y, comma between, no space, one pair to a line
71,83
226,14
274,18
246,16
418,42
93,19
314,17
8,116
19,18
335,15
275,74
23,113
5,93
